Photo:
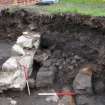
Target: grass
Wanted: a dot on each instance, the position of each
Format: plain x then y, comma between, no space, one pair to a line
85,7
83,1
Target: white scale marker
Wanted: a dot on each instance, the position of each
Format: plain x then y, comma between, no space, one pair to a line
47,94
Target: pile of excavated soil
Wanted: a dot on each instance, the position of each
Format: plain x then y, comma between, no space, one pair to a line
71,41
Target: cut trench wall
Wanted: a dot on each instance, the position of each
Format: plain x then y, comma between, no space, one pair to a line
11,24
65,36
18,68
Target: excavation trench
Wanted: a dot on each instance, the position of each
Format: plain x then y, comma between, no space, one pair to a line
68,42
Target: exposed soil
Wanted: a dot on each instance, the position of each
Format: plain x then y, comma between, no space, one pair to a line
70,41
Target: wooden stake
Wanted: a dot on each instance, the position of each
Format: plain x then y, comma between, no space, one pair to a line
28,88
26,77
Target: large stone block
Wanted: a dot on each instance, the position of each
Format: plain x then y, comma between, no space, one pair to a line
45,77
83,81
17,50
10,65
29,40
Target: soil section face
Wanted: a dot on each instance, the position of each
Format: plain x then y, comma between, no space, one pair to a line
70,41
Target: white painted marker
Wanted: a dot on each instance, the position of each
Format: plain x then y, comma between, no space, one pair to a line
59,94
47,94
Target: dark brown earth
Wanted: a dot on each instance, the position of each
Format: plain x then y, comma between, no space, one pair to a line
70,41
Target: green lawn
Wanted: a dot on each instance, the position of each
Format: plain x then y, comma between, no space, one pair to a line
86,7
83,1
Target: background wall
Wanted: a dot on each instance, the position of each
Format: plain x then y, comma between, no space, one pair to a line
17,2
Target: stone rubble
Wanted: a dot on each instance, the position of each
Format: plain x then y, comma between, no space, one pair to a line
13,70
